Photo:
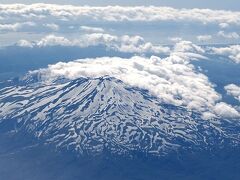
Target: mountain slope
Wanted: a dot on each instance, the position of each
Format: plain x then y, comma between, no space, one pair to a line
90,116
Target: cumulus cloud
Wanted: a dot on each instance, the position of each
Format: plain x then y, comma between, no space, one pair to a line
116,13
52,40
188,46
204,38
175,39
131,44
9,27
136,44
231,35
16,26
24,43
233,90
52,26
226,110
233,52
223,25
173,79
91,29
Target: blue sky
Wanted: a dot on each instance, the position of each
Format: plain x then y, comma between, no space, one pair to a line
212,4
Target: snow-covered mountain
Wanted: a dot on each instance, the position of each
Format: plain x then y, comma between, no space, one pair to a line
91,115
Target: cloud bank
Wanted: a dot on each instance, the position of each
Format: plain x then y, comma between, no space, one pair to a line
115,13
129,44
173,79
232,52
69,21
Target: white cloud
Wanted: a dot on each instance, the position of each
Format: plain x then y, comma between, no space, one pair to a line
116,13
226,110
187,46
68,19
15,26
99,38
136,44
204,38
52,26
175,39
24,43
233,90
52,40
92,29
231,35
233,52
132,44
173,79
223,25
9,27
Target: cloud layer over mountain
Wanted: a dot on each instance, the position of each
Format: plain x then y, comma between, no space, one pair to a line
173,79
